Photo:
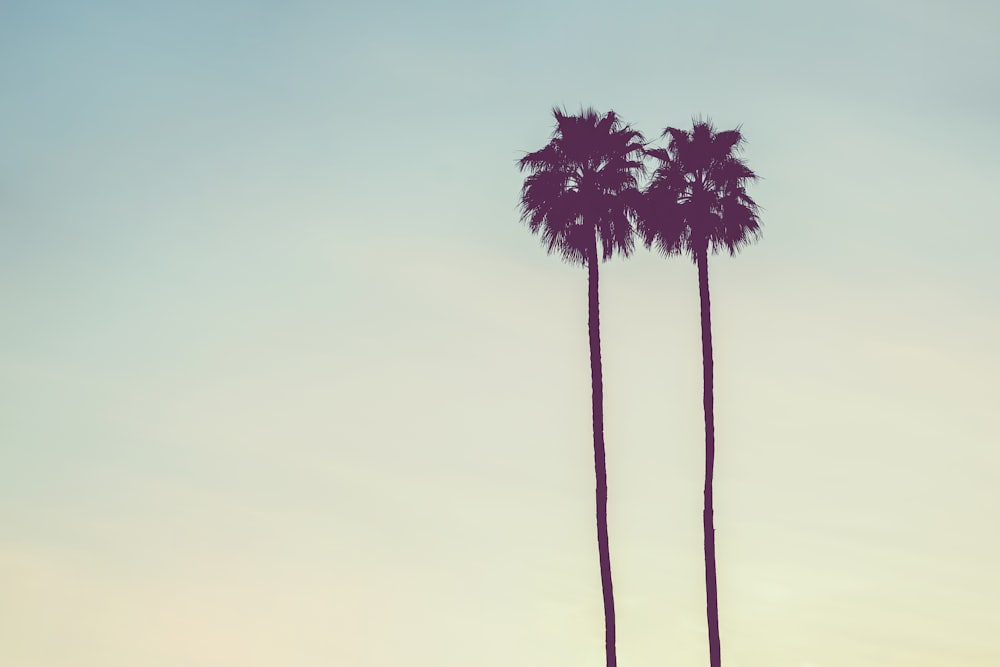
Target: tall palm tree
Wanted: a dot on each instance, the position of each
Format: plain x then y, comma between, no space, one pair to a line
582,190
696,202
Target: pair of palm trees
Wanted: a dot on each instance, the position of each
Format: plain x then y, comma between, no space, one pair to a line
583,192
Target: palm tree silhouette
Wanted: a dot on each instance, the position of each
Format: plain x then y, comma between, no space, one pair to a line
696,202
583,189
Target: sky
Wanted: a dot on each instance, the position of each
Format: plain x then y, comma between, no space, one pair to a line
284,380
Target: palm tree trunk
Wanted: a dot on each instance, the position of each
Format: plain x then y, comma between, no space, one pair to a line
711,588
600,464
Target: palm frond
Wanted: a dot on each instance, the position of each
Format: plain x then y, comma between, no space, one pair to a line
696,197
579,191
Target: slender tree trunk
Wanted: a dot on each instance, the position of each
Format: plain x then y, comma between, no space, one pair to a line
600,465
711,588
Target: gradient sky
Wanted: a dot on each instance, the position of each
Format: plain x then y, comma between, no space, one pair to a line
283,381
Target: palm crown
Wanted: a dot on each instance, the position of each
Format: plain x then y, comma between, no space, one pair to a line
697,197
583,186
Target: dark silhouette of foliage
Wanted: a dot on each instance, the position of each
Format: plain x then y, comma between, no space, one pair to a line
696,202
582,189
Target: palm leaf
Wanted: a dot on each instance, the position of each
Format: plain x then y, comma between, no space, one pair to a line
583,185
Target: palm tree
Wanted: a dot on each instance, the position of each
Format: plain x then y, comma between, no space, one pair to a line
696,202
582,190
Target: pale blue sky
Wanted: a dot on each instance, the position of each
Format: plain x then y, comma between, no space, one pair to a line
284,381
